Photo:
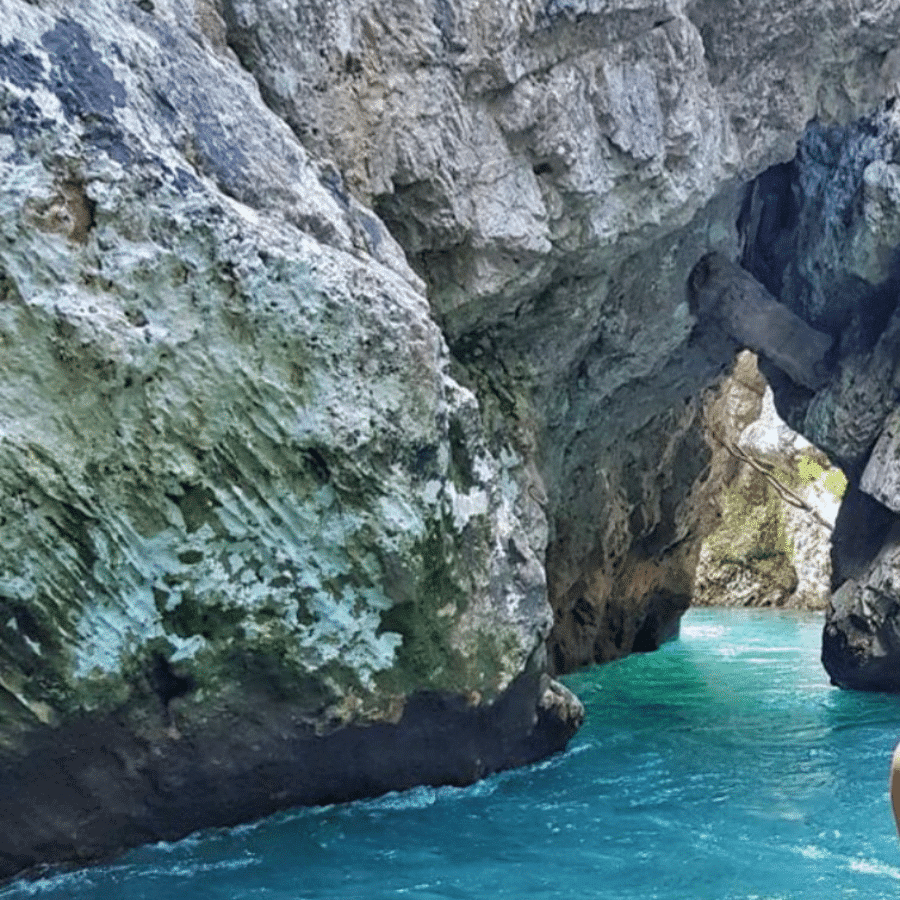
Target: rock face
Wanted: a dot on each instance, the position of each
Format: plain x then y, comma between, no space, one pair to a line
337,339
726,297
822,234
554,171
250,525
772,499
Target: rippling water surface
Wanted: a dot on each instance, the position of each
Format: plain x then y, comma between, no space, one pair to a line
722,766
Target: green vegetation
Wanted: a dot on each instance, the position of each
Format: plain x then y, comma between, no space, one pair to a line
810,470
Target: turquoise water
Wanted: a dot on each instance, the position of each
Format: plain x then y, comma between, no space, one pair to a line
723,766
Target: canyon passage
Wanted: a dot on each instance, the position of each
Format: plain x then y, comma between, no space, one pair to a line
354,362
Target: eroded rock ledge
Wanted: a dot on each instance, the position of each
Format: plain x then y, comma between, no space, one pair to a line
285,492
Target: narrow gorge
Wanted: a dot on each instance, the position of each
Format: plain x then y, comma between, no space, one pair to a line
354,366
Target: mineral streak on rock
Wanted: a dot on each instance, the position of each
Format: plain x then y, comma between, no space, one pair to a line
724,293
257,545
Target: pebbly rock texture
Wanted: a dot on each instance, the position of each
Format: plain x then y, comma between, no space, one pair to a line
772,502
337,339
822,233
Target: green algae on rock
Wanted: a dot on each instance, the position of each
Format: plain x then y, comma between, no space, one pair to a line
772,501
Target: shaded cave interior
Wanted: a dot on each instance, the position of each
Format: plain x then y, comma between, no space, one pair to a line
788,224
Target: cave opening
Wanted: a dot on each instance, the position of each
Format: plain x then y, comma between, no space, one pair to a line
820,235
770,501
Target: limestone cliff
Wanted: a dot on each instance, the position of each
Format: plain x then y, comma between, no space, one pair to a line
246,512
772,500
823,234
338,339
554,171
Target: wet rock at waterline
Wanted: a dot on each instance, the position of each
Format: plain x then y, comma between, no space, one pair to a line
337,339
861,640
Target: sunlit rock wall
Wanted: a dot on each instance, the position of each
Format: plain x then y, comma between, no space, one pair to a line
772,501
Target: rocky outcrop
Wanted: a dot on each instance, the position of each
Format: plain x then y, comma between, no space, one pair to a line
554,171
337,340
250,525
822,234
772,501
726,297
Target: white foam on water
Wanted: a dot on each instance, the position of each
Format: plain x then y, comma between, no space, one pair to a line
691,631
415,798
874,867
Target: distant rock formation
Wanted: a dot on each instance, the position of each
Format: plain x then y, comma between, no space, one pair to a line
772,502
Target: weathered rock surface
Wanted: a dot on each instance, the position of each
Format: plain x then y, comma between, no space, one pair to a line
727,297
554,171
881,476
822,235
257,547
772,501
267,535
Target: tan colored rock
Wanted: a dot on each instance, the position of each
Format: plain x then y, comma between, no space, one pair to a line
772,502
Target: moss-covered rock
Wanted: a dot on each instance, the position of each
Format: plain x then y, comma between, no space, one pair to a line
772,501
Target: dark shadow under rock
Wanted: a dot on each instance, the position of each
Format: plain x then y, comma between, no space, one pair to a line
95,786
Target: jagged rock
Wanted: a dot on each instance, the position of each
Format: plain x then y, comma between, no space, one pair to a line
554,172
246,513
822,235
727,295
881,476
861,641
